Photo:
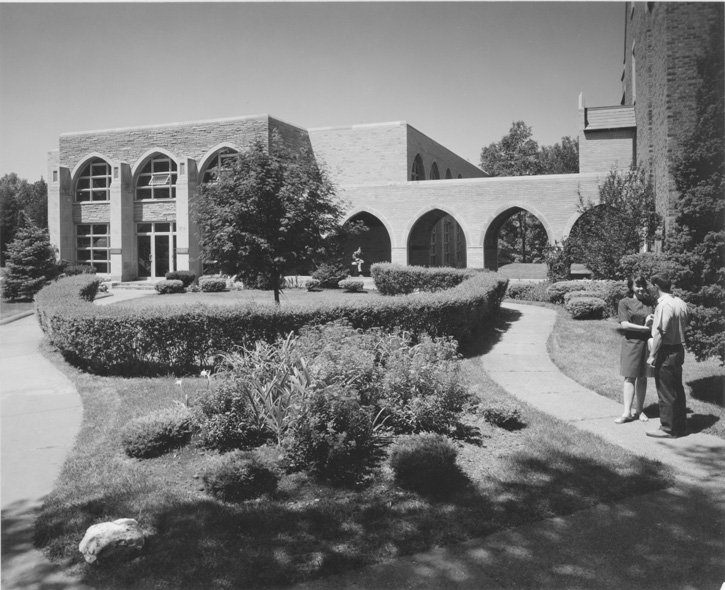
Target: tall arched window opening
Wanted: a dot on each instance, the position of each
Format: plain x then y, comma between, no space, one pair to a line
157,179
417,173
94,181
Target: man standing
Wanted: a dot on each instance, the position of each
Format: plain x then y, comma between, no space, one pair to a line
667,356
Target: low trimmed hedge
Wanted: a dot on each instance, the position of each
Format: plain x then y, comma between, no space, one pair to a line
394,279
212,285
528,291
351,286
185,276
610,291
586,308
113,340
169,286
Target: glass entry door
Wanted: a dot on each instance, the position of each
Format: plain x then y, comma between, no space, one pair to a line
156,247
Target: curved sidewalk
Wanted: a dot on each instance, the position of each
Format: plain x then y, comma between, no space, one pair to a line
40,414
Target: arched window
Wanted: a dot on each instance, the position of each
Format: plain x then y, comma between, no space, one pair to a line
221,158
94,181
157,180
448,174
434,174
417,173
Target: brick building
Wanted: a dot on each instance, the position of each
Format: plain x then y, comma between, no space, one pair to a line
122,199
662,44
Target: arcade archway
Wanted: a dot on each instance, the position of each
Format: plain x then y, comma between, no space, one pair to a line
374,242
437,239
515,235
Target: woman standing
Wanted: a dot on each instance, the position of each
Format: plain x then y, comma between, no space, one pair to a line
635,318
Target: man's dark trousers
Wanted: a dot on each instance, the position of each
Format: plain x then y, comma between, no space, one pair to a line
671,393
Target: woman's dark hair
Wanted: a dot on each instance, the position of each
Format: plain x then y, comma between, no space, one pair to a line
638,280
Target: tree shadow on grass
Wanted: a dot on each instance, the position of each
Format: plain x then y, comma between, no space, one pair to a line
489,335
200,543
709,389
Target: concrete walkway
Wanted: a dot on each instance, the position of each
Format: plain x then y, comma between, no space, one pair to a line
672,539
40,414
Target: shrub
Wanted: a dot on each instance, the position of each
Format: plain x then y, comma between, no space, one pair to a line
212,285
226,419
528,291
149,341
30,264
172,286
394,279
582,308
239,476
503,415
157,433
351,286
425,463
556,291
647,264
329,275
334,437
312,285
185,276
78,269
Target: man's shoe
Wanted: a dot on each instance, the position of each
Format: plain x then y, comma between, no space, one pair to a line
660,434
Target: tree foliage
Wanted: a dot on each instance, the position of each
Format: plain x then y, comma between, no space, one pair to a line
522,238
18,197
267,212
621,222
696,240
30,262
518,154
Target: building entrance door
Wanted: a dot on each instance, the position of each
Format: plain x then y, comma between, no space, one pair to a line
156,247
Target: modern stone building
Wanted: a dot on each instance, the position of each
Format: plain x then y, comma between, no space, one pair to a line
121,199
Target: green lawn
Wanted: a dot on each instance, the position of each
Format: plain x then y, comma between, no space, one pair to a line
308,529
588,352
249,296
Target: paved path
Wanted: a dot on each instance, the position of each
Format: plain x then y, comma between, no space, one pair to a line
40,414
672,539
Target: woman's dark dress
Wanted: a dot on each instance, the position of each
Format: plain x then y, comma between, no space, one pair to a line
633,357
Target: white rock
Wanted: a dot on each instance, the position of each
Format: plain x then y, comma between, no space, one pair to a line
120,539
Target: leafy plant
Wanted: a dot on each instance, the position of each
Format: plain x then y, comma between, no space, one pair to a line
329,275
582,308
503,415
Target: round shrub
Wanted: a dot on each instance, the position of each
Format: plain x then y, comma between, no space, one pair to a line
329,275
573,294
582,308
528,290
185,276
503,415
351,286
239,476
212,285
425,463
157,433
556,291
166,287
312,285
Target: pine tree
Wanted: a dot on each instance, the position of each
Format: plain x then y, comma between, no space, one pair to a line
30,263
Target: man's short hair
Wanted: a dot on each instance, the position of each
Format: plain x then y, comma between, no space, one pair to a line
663,281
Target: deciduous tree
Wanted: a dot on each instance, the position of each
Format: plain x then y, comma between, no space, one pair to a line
268,211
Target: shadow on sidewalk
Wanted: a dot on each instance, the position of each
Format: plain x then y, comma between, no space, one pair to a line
490,334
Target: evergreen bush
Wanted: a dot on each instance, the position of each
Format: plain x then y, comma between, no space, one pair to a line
30,264
169,286
157,433
239,476
329,275
185,276
582,308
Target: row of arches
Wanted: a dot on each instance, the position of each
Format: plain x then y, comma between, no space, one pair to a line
154,176
418,171
437,239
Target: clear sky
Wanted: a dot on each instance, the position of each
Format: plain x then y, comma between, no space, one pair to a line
459,72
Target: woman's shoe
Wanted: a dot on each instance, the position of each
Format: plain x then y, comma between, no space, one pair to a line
641,416
624,419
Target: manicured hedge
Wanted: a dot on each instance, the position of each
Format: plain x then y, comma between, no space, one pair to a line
610,291
184,339
394,279
586,308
